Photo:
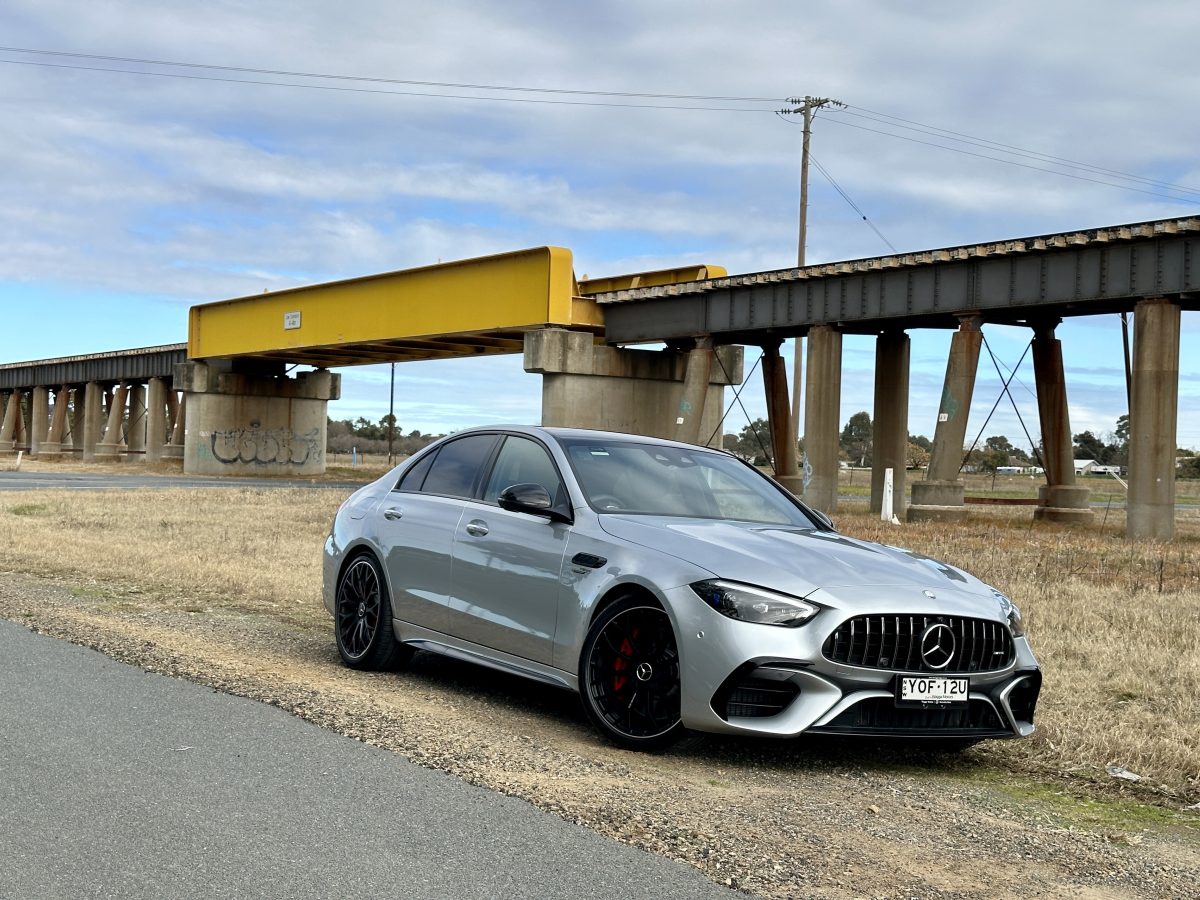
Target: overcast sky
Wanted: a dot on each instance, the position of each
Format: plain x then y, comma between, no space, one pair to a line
126,198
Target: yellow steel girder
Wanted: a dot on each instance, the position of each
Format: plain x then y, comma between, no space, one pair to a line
464,308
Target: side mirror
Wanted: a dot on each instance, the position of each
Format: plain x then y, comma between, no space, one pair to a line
530,498
822,518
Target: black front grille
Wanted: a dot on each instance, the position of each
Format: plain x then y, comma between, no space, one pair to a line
880,715
759,698
894,642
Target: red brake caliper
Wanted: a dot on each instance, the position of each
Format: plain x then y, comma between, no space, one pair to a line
619,680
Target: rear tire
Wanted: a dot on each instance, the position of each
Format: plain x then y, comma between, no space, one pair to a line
363,618
629,676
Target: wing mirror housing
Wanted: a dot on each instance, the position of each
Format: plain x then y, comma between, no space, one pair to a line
533,499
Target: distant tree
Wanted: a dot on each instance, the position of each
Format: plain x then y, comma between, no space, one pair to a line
918,456
1189,468
857,438
753,442
921,441
1088,446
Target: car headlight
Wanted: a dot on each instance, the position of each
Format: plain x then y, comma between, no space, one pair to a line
1015,622
752,604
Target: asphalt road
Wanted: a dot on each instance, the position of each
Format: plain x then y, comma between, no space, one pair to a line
118,783
74,481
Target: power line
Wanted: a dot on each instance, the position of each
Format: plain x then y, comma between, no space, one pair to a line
837,187
923,128
361,90
377,80
1011,162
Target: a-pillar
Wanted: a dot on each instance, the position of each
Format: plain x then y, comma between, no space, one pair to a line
93,419
112,444
940,495
254,421
52,446
39,419
822,409
695,391
779,411
890,436
1062,499
1153,418
8,425
136,432
590,385
156,419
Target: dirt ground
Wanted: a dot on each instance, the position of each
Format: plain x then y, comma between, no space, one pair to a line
774,819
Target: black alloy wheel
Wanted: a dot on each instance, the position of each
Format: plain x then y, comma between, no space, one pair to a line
629,676
363,618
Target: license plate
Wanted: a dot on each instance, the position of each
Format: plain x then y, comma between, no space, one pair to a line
936,690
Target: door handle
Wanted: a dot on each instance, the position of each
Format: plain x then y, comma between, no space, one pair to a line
477,528
392,513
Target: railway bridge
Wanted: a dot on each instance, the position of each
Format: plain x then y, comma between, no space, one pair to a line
238,410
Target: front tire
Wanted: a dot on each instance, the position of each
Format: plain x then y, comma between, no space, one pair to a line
363,618
629,676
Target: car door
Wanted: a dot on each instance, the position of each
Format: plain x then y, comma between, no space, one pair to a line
508,565
417,523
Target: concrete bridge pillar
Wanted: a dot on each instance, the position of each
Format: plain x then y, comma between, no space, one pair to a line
1062,499
697,374
892,349
585,385
156,418
93,423
940,495
12,425
1153,419
135,432
113,442
822,409
175,445
251,423
52,446
779,411
39,418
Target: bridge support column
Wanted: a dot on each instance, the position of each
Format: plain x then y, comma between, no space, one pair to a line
135,433
156,418
174,448
822,409
249,423
113,442
39,418
51,448
692,404
779,411
12,426
890,451
585,385
1153,419
1062,499
93,410
940,495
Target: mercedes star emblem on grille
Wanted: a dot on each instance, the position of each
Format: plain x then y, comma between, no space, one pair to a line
937,646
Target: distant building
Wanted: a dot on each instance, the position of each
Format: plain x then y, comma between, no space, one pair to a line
1084,466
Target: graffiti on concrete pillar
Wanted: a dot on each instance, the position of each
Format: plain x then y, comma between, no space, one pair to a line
266,447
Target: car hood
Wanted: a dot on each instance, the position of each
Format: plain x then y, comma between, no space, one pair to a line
795,560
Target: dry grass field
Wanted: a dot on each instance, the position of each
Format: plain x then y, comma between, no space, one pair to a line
1116,625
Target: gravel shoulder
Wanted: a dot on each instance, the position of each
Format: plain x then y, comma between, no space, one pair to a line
774,819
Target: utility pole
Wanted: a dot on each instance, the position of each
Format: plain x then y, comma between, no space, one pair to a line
807,106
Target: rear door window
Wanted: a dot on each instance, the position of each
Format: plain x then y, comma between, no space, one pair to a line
456,470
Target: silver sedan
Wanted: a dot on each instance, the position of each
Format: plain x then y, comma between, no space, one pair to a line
673,587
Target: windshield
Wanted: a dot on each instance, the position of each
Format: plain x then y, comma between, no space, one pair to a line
627,477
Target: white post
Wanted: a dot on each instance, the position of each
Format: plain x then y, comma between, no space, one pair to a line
885,510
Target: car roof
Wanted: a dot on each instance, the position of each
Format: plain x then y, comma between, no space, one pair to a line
559,433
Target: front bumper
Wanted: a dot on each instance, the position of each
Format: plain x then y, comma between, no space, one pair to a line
743,678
